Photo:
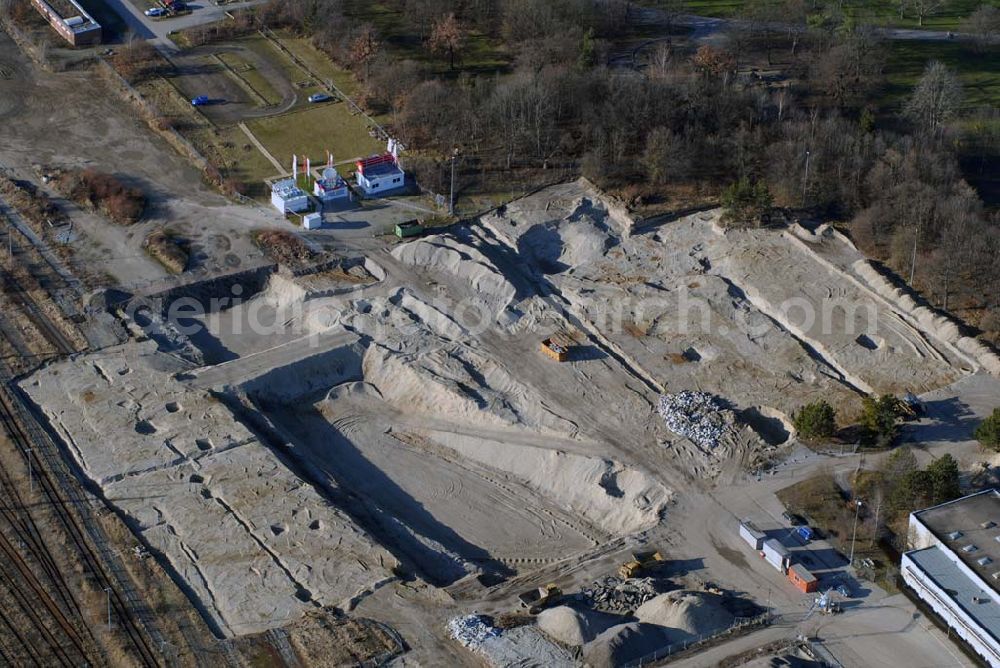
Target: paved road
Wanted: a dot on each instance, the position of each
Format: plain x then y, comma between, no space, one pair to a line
156,30
706,27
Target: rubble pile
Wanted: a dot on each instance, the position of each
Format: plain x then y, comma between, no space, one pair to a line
696,416
613,594
472,630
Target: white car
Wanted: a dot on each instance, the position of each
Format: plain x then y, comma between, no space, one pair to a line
156,11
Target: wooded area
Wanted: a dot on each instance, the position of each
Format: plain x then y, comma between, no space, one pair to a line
799,110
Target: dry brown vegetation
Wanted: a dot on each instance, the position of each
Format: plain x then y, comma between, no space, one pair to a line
168,250
284,248
102,192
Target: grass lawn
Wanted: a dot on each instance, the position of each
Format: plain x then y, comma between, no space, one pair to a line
250,77
979,72
313,130
481,54
880,12
320,64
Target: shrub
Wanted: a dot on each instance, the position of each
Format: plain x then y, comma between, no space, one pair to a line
103,192
988,431
879,417
746,201
816,420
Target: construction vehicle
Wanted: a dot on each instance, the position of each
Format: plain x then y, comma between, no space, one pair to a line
909,407
641,561
536,600
557,347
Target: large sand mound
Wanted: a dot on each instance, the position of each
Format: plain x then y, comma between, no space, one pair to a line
686,613
623,644
574,627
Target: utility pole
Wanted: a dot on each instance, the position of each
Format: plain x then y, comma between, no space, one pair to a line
107,590
451,199
805,179
854,532
31,476
913,257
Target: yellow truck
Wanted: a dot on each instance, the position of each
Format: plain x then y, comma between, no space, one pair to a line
536,600
640,562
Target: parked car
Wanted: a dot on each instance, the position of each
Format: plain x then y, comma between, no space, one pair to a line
200,101
805,533
844,590
792,518
156,11
320,97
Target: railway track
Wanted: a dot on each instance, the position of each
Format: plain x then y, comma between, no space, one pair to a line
132,615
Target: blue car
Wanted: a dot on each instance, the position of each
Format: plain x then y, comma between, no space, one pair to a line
199,101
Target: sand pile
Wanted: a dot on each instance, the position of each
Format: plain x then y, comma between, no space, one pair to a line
687,614
573,626
623,644
442,254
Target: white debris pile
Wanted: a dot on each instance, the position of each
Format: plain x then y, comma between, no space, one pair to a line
472,630
696,416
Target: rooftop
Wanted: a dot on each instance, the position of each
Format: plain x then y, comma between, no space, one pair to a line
287,189
964,592
379,165
970,527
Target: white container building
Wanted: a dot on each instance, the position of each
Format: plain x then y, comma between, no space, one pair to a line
312,221
776,554
954,567
379,174
287,197
753,536
331,188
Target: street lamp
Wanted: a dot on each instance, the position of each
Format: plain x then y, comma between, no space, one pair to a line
854,532
805,179
451,199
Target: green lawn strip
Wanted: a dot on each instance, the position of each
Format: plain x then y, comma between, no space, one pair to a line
978,72
403,41
251,77
880,12
313,130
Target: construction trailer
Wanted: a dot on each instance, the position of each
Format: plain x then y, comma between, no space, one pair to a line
803,580
753,536
287,197
776,554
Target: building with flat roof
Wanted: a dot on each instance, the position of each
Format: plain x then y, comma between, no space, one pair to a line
331,188
379,174
71,21
954,567
287,197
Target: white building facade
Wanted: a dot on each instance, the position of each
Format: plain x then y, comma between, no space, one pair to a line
287,197
954,567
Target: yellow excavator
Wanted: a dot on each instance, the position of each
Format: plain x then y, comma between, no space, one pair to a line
640,562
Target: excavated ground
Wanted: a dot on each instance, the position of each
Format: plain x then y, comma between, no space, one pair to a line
408,422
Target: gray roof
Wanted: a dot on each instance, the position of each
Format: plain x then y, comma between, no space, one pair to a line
941,570
969,527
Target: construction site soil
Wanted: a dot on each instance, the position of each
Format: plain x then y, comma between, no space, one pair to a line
327,437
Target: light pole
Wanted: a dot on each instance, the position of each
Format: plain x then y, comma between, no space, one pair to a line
107,590
805,179
854,532
31,476
451,199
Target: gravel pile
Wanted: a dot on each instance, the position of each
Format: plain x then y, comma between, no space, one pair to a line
620,596
472,630
696,416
